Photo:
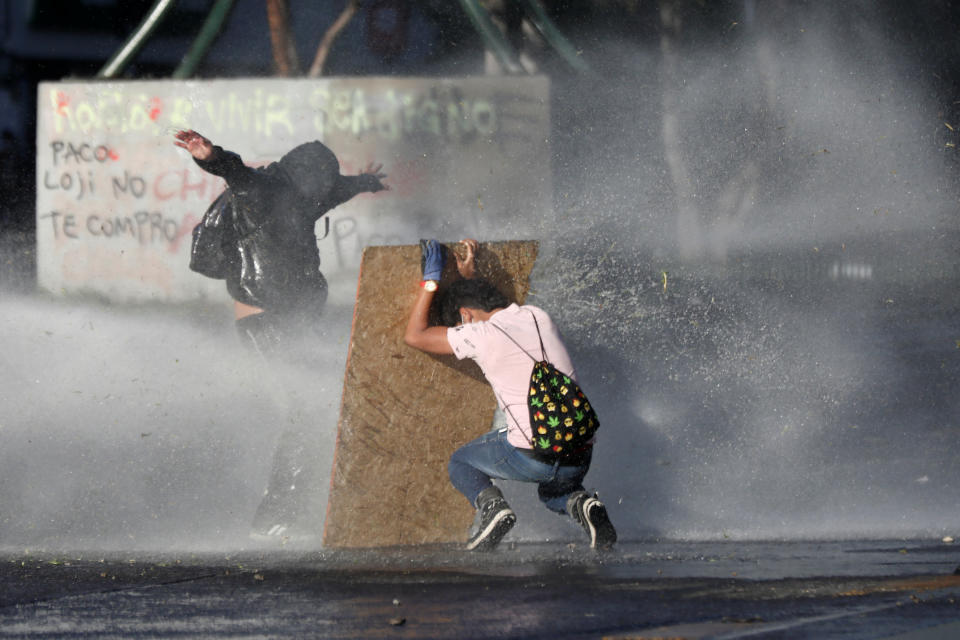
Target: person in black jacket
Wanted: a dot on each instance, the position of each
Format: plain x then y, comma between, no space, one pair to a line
263,241
259,237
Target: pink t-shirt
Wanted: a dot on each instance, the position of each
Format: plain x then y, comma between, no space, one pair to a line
505,366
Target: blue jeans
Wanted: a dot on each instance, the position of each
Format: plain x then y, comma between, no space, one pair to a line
491,456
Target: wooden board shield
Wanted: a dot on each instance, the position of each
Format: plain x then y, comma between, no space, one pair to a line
404,412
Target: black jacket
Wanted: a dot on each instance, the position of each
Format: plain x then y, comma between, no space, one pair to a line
259,234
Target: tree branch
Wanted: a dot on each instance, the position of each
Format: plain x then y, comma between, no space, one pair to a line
316,69
284,50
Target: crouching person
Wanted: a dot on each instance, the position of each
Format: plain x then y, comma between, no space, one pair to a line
548,436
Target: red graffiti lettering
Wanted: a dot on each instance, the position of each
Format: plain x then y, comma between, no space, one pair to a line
156,106
62,103
177,184
186,229
199,187
158,191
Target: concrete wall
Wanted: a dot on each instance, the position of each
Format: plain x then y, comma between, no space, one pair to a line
116,201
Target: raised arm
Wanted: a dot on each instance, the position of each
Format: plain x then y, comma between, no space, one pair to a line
370,180
214,159
466,265
419,334
198,146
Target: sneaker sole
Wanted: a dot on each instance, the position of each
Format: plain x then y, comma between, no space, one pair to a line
602,533
494,532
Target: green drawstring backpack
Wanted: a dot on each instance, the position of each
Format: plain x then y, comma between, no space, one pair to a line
562,421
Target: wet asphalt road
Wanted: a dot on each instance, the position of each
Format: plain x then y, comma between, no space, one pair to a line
888,589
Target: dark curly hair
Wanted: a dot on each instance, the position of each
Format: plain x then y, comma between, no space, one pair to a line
475,294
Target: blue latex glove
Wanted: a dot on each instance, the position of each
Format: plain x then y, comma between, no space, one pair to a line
432,258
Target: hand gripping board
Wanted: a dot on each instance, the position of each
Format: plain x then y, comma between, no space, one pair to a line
403,412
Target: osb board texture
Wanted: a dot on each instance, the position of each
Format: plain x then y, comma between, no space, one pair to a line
404,412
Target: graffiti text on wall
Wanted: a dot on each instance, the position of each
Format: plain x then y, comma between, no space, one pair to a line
390,114
85,170
117,201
